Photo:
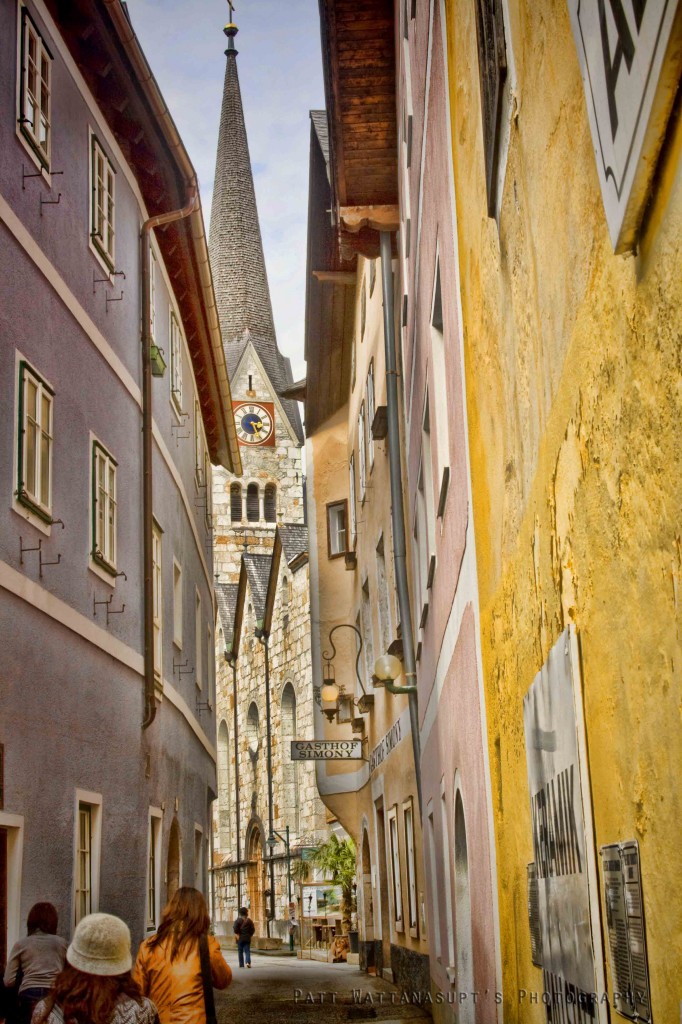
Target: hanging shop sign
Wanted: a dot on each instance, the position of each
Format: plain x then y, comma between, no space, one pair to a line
625,923
326,750
630,55
563,892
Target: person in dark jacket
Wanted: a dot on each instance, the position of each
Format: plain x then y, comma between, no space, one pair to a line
244,929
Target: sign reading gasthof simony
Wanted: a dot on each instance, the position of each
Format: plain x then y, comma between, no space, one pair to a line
630,54
326,750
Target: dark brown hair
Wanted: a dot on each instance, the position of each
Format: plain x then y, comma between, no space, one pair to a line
88,998
42,917
183,922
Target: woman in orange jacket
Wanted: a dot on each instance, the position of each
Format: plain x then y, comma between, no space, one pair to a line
178,966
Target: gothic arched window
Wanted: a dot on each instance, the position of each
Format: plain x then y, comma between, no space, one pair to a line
291,808
252,503
236,503
270,503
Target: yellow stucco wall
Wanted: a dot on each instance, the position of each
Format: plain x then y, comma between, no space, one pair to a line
573,371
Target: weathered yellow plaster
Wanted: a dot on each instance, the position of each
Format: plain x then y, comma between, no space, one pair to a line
574,389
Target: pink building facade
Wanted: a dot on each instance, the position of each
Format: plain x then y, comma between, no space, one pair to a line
459,851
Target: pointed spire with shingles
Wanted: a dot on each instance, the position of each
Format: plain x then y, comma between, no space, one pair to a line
236,247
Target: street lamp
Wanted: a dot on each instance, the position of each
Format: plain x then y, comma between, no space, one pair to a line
330,691
272,843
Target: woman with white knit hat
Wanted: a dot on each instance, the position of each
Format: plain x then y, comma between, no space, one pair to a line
96,985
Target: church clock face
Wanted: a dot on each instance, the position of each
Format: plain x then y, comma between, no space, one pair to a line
254,423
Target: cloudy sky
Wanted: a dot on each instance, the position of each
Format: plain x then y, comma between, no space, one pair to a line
281,80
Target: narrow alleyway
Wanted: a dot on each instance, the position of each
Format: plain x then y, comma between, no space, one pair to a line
281,989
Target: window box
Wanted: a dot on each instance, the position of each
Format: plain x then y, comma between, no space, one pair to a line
158,362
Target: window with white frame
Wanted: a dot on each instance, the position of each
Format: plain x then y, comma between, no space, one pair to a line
337,528
408,817
34,464
104,506
102,177
433,881
367,631
84,862
175,362
351,500
88,833
395,866
208,482
428,492
200,457
370,413
198,859
152,296
362,451
154,870
198,640
177,604
35,91
382,597
439,385
157,600
210,660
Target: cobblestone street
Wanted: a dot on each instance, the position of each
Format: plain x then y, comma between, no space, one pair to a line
281,989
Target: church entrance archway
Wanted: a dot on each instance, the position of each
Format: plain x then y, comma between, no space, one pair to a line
173,861
255,879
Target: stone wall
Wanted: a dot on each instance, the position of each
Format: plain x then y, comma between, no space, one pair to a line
295,799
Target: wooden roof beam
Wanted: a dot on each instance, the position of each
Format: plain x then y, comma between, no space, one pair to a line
377,218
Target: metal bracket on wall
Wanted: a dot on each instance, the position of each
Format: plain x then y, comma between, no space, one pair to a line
108,299
50,202
34,174
107,605
41,560
106,280
203,705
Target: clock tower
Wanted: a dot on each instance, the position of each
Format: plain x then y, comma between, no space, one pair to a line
247,509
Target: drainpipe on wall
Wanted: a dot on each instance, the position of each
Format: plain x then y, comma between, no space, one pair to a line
397,512
147,491
231,659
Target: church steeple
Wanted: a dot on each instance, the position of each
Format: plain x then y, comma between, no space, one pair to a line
236,247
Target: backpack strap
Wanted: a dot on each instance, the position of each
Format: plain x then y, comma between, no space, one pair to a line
207,979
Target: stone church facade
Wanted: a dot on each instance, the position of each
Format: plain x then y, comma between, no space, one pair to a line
264,692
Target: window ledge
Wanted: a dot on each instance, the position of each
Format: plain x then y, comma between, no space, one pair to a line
98,569
29,516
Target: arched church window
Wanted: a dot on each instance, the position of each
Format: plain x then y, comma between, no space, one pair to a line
252,503
223,786
236,503
270,503
291,807
253,730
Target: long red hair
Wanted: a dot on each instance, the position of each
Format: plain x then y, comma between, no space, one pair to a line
183,922
88,998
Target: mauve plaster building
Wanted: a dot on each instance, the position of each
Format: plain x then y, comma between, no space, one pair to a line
114,404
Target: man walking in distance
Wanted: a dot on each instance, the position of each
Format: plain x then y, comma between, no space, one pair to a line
244,929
